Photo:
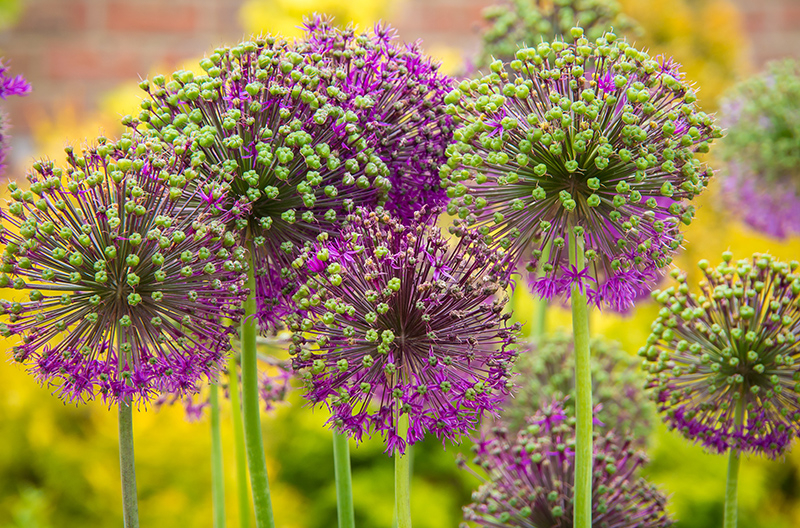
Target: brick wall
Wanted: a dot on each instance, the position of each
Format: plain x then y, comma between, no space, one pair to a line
773,27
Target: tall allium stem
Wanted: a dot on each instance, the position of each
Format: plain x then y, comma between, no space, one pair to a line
127,466
217,476
402,479
583,389
539,327
344,483
731,488
238,438
254,444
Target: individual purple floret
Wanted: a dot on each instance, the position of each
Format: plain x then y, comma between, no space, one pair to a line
399,324
269,120
399,91
593,142
16,85
125,284
529,478
734,344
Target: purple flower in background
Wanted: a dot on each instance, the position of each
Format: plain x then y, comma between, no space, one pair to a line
761,179
383,338
126,283
529,478
272,122
598,142
733,344
398,93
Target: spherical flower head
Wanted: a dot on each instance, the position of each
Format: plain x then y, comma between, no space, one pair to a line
402,324
761,179
522,22
530,478
268,119
733,344
590,141
546,371
399,93
124,286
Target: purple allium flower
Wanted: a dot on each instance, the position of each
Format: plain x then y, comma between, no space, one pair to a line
274,387
546,371
555,153
271,120
399,92
734,342
402,324
761,179
126,284
530,476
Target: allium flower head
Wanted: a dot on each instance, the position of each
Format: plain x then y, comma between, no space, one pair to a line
761,179
530,478
399,92
16,85
271,120
528,22
734,343
596,140
126,284
398,323
546,371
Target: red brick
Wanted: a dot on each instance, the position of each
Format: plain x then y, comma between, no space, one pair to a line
790,18
754,21
52,16
85,62
151,17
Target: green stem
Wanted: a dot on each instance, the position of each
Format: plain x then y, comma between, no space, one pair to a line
344,483
732,484
539,327
583,389
254,444
217,476
238,439
402,480
130,504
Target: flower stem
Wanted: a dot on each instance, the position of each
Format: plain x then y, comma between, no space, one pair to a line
130,504
344,483
254,444
217,476
583,389
732,484
539,327
238,439
402,480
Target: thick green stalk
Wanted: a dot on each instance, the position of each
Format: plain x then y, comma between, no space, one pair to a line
130,503
217,475
127,465
344,483
402,480
254,444
238,439
583,389
730,519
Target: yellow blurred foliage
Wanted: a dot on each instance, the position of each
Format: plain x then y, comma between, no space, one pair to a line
285,17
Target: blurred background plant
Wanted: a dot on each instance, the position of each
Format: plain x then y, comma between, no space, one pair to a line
58,464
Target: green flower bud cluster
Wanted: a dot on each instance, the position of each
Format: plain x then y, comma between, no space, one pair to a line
595,139
115,261
531,21
733,345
